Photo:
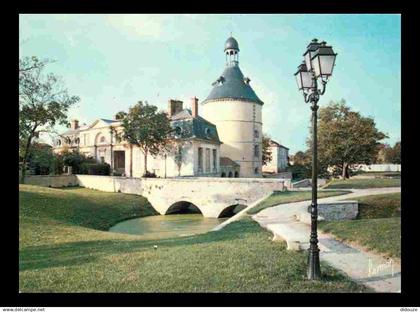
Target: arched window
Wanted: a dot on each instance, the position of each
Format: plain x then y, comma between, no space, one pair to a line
59,142
256,134
207,131
256,170
223,175
230,174
236,174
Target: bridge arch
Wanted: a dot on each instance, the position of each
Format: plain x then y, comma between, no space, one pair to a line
231,210
181,207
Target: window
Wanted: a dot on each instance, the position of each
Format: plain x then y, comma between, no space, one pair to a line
214,160
178,131
256,134
102,140
256,150
223,175
236,174
256,170
200,160
59,142
207,160
230,174
207,131
102,159
86,139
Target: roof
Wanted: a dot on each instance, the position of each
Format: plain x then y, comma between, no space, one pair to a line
226,161
231,43
194,128
233,85
109,121
274,143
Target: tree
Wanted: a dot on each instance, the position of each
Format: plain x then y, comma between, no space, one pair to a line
146,128
43,103
120,115
346,137
41,158
392,155
266,151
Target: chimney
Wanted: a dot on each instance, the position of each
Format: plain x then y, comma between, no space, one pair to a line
194,107
74,124
174,106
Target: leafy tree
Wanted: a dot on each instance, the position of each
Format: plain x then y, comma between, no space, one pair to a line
301,168
120,115
43,103
41,158
390,155
266,151
346,138
146,128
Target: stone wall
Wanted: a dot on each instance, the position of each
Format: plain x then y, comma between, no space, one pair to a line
340,210
379,167
52,180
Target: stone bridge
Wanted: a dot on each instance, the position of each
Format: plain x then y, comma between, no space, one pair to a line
214,197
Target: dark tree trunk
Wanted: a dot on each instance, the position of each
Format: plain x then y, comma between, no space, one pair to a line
345,173
25,159
145,162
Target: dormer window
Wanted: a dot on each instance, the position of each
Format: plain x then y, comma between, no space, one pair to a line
247,80
207,131
178,131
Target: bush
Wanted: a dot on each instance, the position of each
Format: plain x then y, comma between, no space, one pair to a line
149,175
95,169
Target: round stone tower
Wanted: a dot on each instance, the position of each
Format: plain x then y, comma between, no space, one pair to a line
235,109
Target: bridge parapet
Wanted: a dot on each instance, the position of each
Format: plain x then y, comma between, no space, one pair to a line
210,195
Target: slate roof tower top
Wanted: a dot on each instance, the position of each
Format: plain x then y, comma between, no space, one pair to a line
232,84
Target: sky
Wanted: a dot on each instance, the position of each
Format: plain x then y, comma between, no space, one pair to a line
113,61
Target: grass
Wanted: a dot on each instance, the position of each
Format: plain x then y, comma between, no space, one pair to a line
284,197
377,227
363,183
60,251
385,174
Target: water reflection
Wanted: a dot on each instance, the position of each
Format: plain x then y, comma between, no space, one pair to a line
159,227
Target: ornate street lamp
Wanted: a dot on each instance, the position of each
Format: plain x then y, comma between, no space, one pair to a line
318,63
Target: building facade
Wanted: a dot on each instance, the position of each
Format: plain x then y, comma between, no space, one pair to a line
279,158
195,149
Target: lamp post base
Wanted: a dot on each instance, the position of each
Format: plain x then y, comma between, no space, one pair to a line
314,270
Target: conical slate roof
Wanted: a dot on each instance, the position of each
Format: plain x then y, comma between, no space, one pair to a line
233,85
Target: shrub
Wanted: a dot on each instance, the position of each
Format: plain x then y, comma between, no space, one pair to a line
149,175
95,169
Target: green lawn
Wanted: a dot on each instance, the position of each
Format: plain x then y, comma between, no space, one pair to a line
62,248
377,227
278,198
389,174
363,183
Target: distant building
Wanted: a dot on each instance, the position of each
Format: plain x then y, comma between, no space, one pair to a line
279,158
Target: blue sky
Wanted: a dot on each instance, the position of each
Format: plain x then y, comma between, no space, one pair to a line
112,61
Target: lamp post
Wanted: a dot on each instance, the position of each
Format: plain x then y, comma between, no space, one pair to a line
318,63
